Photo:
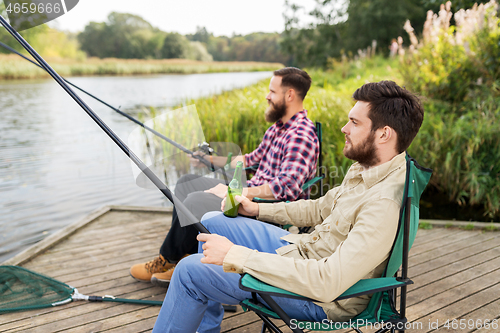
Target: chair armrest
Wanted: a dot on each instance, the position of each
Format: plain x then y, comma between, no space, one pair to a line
311,182
260,200
252,168
251,284
362,287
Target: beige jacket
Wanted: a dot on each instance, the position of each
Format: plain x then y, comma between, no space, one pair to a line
355,226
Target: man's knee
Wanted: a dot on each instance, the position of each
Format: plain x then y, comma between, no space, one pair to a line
213,219
188,268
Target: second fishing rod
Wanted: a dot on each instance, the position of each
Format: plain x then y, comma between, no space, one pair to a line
204,147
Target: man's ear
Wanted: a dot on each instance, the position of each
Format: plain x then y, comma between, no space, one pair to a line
386,134
290,95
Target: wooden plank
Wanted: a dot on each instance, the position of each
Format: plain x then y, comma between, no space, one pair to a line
456,309
442,285
96,255
435,301
476,247
422,253
144,325
466,264
425,236
474,320
52,240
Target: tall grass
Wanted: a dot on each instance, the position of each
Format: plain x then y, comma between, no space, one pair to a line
14,67
457,69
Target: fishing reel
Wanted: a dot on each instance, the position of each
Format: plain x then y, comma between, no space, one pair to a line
206,149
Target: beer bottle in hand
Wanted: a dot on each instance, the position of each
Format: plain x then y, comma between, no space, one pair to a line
234,188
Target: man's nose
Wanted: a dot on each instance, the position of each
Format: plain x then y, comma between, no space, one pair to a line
344,129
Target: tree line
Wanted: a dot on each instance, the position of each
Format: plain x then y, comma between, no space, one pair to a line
130,36
337,28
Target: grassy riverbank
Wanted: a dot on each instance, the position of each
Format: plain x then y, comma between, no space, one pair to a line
14,67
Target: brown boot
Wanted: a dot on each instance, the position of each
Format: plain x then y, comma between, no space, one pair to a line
143,272
163,279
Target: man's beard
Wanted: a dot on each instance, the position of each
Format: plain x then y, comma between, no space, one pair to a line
365,153
275,112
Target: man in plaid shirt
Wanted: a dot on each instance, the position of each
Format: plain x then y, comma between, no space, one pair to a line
286,157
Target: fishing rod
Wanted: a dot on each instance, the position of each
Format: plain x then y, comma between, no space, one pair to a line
204,147
154,179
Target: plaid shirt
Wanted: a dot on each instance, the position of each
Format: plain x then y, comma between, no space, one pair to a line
287,157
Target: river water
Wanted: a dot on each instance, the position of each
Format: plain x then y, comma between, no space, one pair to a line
57,165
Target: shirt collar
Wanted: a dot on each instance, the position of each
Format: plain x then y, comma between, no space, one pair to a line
299,115
378,173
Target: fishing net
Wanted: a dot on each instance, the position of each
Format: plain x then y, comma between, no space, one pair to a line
21,289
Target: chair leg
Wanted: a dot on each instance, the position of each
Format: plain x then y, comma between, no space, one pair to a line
279,311
383,330
268,324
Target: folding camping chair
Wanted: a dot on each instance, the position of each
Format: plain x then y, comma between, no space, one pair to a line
382,305
307,185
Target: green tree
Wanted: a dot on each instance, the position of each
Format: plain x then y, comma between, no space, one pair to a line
198,51
340,26
379,20
175,46
30,35
252,47
122,36
218,47
92,40
201,35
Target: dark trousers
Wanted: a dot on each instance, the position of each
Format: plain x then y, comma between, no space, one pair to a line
181,239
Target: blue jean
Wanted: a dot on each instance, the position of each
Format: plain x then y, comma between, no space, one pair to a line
197,291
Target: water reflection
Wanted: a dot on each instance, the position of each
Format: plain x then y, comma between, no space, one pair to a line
57,165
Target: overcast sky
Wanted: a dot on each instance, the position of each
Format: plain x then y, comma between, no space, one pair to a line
220,17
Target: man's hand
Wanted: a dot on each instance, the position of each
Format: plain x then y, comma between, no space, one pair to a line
215,248
247,207
195,161
220,190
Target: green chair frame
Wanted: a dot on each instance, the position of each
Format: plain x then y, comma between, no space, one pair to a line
382,305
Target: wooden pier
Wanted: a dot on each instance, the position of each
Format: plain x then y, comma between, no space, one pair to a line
456,274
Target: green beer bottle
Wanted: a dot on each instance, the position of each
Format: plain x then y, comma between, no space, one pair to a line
234,188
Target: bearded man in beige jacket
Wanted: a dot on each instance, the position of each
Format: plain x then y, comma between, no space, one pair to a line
355,225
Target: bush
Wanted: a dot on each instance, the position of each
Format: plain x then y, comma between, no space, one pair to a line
457,70
455,63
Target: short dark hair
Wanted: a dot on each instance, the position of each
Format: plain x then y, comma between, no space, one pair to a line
296,79
393,106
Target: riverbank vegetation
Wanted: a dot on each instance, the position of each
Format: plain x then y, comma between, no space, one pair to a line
458,81
14,67
457,69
